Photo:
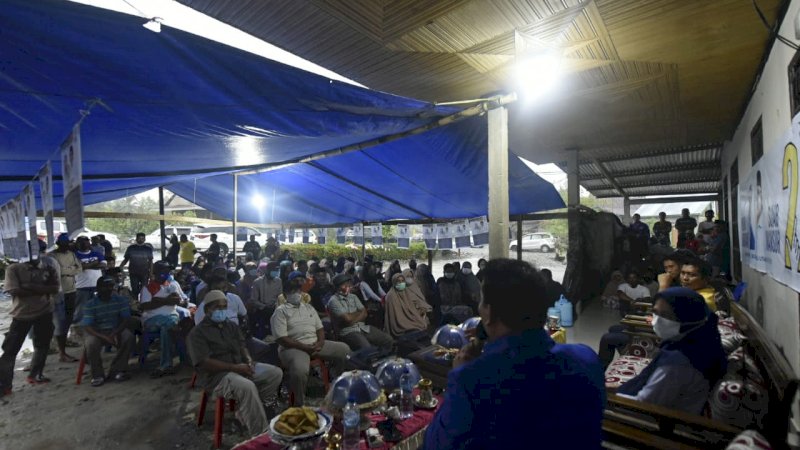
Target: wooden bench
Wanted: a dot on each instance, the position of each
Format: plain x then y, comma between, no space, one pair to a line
631,424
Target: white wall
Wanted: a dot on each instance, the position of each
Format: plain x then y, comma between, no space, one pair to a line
778,308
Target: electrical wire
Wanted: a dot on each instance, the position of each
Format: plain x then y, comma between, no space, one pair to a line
773,29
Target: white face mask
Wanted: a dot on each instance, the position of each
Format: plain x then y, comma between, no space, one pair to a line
665,328
294,299
466,271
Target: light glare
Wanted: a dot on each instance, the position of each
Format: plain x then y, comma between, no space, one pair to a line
258,201
538,75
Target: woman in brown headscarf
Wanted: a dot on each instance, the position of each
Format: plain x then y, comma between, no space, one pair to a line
406,308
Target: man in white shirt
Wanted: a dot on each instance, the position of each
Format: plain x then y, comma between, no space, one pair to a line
706,227
631,292
298,330
158,302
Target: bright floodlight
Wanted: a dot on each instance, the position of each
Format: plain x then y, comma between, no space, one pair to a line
258,201
537,75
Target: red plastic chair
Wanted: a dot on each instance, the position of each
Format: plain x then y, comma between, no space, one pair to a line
219,415
81,367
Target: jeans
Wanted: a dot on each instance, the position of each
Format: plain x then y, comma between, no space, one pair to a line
137,283
82,296
42,334
163,325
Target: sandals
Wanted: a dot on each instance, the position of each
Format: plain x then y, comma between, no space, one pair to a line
97,382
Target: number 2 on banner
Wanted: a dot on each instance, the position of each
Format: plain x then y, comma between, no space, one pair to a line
790,164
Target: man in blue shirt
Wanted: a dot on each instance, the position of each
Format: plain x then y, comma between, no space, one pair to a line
105,317
523,387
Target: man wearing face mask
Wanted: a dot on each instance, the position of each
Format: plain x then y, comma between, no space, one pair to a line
218,351
246,283
349,313
470,287
691,359
299,332
487,404
453,309
158,303
264,299
321,288
296,280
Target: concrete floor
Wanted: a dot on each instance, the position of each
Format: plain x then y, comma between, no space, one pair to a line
592,323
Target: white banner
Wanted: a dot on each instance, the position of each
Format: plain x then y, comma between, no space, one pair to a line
461,233
479,227
341,235
445,235
403,236
321,235
20,245
72,175
358,234
376,233
29,196
306,235
768,226
429,236
46,190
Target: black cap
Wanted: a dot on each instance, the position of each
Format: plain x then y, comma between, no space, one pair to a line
340,279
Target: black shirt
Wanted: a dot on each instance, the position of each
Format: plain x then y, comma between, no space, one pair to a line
139,256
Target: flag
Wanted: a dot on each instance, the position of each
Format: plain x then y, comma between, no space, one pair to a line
72,176
429,235
358,234
46,190
341,235
376,231
321,237
306,235
443,233
403,236
461,228
30,210
479,227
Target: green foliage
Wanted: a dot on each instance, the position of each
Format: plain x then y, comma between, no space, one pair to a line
125,228
335,251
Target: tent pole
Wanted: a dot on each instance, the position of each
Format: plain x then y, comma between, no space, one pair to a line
161,224
626,210
235,213
498,183
363,242
430,260
519,239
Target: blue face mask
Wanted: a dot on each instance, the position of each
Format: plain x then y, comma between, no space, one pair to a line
219,316
275,273
252,272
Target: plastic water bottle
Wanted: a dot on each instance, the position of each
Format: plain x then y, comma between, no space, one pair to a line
565,307
351,420
406,391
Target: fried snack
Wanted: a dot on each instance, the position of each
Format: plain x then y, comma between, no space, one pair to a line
296,421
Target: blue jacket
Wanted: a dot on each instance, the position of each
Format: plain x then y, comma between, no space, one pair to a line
524,391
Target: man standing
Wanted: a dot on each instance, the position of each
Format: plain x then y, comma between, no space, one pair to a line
104,319
349,314
252,247
217,350
662,229
272,249
683,224
70,266
264,299
140,255
705,227
92,264
489,394
640,235
187,253
299,332
109,250
213,251
33,286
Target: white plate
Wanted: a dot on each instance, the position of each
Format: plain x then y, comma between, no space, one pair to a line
325,422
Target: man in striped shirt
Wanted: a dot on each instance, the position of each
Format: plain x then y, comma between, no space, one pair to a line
105,317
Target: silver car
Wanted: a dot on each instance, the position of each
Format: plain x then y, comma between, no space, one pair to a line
544,242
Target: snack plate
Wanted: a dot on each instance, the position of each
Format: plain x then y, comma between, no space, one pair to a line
325,422
420,405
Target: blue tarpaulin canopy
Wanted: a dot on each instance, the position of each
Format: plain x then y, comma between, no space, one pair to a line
179,111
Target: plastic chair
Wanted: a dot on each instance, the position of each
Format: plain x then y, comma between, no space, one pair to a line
81,367
148,337
219,415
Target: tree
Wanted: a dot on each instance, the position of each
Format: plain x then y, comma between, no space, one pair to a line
124,228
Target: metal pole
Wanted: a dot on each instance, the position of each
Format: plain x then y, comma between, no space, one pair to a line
235,213
430,260
519,239
161,222
363,242
626,210
498,183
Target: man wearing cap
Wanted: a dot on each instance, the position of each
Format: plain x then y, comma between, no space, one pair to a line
264,298
219,271
140,255
298,329
349,314
295,282
65,302
218,351
33,286
104,318
158,303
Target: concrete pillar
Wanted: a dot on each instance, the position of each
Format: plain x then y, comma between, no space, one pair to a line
519,239
235,214
573,178
498,183
626,210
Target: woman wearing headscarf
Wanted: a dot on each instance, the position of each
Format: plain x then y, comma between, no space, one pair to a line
370,286
481,266
427,285
394,269
406,309
691,359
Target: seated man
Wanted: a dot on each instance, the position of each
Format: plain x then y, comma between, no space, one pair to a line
105,317
158,303
487,404
696,275
217,350
299,332
631,292
349,313
691,359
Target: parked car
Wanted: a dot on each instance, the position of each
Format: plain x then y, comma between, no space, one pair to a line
202,237
60,226
544,242
154,238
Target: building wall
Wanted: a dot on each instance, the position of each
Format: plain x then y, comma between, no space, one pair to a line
772,303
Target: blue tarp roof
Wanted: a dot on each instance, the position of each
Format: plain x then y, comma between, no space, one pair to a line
183,108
